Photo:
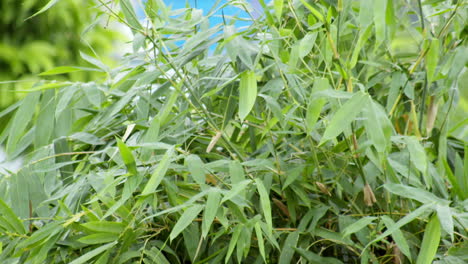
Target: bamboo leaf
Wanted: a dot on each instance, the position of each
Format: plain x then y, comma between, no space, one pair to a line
158,173
314,11
398,236
265,203
49,4
403,221
378,126
379,8
61,70
196,168
98,238
358,225
127,157
130,15
238,188
414,193
211,208
344,116
315,104
186,219
91,254
430,241
444,213
287,252
105,226
247,93
20,121
233,242
12,219
432,59
278,6
417,154
261,243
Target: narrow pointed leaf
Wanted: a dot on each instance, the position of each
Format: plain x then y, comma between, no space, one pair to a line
430,241
91,254
344,116
358,225
211,208
158,173
265,203
247,93
186,218
127,157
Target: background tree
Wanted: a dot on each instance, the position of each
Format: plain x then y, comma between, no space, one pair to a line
29,46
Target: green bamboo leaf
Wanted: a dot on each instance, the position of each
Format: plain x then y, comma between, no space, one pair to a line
417,154
186,218
236,172
344,116
247,93
307,43
196,168
158,173
152,134
390,20
87,138
61,70
94,61
445,218
358,225
287,252
398,236
278,6
164,114
41,235
211,208
457,188
12,219
130,15
45,119
265,203
261,243
314,11
91,254
127,157
430,241
233,242
49,4
315,104
238,188
313,258
362,40
378,126
432,58
403,221
98,238
20,121
379,9
105,226
414,193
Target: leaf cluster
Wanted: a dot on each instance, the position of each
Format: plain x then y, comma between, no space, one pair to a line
322,133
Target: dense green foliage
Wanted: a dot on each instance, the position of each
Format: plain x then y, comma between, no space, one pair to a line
326,132
30,45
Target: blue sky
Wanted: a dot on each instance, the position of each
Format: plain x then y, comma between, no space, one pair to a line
206,5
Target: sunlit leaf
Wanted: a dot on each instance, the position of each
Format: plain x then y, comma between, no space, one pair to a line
247,93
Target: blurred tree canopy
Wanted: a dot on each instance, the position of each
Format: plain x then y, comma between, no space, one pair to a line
31,45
